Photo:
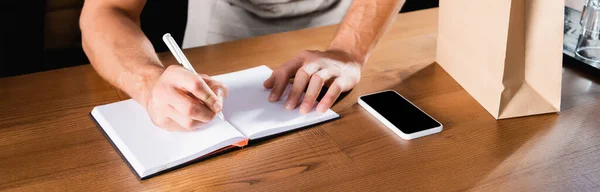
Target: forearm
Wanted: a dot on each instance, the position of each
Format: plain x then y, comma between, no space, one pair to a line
120,52
365,22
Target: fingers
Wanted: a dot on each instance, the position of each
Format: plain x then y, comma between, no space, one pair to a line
181,101
195,85
278,80
220,89
171,125
183,123
314,88
300,81
161,120
327,101
190,107
280,77
294,64
270,81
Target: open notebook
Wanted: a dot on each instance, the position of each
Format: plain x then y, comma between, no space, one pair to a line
150,150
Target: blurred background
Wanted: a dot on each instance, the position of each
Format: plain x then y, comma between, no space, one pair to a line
43,35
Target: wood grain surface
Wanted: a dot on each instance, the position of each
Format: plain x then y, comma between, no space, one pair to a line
48,142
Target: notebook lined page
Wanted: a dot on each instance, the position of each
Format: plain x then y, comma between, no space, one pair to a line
248,109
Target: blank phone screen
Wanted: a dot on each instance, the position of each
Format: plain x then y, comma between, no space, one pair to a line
400,112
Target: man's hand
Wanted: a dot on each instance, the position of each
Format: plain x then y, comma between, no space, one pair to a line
180,100
311,71
338,67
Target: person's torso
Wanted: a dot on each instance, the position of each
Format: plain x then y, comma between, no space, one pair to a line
217,21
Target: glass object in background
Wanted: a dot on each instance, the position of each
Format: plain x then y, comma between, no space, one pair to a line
583,13
588,45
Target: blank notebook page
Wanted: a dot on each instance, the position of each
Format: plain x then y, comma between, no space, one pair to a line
248,109
149,148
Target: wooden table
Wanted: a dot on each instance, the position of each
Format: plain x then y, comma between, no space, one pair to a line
49,143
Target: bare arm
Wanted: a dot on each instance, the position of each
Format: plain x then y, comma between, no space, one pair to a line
363,26
120,52
339,66
116,46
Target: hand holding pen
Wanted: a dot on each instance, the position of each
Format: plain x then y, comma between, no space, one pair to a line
182,100
180,57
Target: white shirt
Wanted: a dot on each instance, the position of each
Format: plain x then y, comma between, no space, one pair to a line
216,21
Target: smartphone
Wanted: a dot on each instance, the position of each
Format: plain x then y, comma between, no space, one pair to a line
400,115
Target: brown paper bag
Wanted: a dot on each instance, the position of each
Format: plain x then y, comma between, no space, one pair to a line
506,53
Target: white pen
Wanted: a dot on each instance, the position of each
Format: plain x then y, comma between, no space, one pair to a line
176,51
